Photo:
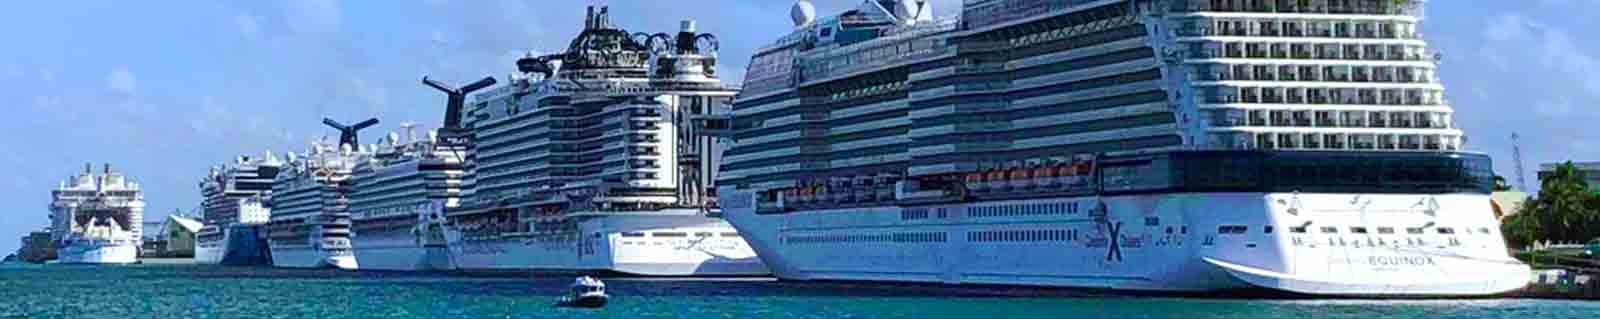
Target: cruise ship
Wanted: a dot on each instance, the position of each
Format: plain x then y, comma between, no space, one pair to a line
399,200
235,211
591,161
1188,146
97,218
310,222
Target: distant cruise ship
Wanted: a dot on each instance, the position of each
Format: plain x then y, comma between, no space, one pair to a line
1177,145
399,200
595,164
97,218
310,223
236,198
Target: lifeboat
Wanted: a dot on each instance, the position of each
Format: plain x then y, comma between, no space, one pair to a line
975,182
1044,176
1019,178
861,189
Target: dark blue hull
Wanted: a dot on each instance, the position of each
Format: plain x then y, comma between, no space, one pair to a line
246,246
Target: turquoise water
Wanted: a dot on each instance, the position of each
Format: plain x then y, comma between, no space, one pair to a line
187,291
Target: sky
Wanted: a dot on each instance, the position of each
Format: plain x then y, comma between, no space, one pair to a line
163,90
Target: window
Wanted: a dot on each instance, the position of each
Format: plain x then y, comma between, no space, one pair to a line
1483,230
632,234
1232,229
1446,230
1330,230
669,235
1358,230
702,234
1267,229
1297,230
730,235
1414,230
1385,230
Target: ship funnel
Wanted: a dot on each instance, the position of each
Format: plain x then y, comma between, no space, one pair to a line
686,26
588,19
349,134
456,98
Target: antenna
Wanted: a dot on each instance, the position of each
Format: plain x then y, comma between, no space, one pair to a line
349,134
1516,155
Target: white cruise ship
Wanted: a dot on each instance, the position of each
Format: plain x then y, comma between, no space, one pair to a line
1150,145
310,223
590,162
97,218
398,204
235,207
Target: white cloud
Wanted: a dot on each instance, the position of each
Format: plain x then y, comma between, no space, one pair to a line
1507,27
122,81
1562,67
312,16
249,25
1559,106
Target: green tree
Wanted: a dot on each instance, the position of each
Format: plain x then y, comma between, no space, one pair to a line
1565,210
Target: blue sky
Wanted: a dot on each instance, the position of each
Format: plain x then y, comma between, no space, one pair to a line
165,89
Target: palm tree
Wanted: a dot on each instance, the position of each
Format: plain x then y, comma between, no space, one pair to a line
1565,209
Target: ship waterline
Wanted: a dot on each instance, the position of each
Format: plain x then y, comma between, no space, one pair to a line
643,244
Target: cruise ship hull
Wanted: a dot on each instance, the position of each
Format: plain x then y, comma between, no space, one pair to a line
641,245
99,252
240,245
311,258
209,252
399,251
1166,243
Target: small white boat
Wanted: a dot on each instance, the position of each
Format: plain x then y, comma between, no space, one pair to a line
586,292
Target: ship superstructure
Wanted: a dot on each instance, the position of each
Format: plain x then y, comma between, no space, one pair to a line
310,222
97,218
591,161
400,197
236,197
1176,145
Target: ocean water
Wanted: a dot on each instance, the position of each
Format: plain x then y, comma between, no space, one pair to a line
191,291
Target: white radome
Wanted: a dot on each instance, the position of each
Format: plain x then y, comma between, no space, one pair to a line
803,13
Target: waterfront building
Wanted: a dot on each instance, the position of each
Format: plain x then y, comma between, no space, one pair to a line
178,236
1588,171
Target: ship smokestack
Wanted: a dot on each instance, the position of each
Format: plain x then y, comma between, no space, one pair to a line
588,19
686,36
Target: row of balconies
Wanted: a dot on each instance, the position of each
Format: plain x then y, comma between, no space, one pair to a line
1356,74
1332,119
1306,51
1362,7
1305,28
1317,141
1324,96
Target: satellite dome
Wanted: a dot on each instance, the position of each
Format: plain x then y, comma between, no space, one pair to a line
803,13
906,11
